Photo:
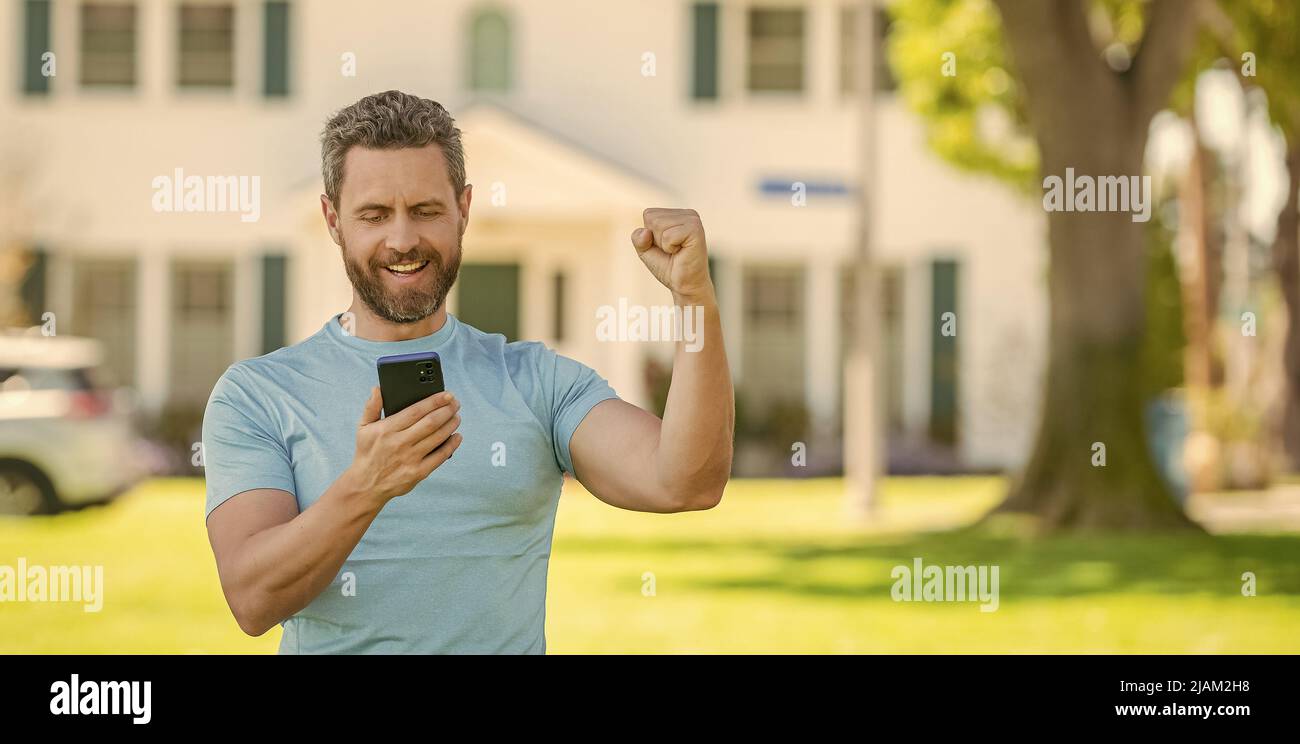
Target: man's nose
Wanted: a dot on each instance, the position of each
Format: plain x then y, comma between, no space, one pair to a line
402,236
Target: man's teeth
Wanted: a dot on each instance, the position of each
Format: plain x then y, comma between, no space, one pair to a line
406,268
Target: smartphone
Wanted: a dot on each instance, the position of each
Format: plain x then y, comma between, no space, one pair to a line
405,379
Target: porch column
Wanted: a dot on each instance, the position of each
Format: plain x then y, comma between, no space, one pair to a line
153,328
821,347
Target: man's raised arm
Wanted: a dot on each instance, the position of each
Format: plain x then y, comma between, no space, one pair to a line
628,457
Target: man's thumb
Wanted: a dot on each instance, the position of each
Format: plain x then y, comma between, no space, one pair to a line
374,406
641,239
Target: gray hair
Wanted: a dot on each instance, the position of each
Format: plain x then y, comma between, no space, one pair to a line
389,121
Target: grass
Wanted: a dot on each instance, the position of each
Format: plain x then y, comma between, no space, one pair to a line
778,567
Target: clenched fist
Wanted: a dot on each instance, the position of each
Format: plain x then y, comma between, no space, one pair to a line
672,246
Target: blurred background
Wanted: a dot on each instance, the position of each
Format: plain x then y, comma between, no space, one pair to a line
925,358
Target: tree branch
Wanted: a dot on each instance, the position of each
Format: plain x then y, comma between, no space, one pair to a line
1051,47
1167,46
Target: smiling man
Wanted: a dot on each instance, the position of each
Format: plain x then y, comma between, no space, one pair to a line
361,533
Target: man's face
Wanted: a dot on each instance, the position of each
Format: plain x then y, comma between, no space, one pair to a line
399,224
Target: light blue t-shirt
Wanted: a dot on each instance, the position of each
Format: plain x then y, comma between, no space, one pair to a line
458,564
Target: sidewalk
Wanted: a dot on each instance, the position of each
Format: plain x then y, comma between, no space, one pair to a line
1274,510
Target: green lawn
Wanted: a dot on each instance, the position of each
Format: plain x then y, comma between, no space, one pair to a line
777,567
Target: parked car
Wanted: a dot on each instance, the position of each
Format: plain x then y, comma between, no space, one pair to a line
65,440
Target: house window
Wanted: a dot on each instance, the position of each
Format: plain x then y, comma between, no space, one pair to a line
489,52
108,42
773,297
776,50
774,341
203,330
207,46
104,308
892,301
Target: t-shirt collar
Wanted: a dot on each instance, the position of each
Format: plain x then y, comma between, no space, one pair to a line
334,329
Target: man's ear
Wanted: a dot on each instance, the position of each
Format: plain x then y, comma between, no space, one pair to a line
331,218
466,197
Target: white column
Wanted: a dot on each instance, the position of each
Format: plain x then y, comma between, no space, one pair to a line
250,57
729,282
65,20
156,49
153,326
535,301
821,343
626,357
822,51
58,283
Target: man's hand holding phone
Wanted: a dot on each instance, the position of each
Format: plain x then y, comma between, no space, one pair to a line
395,453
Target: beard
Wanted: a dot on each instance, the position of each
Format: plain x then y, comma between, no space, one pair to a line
410,304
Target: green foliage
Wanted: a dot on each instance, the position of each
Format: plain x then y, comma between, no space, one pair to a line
961,112
1270,30
1162,351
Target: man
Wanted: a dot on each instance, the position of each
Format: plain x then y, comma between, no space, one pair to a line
362,533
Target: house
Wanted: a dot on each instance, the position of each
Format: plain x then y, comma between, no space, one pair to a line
576,114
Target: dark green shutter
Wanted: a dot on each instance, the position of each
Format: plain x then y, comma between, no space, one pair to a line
33,286
488,298
558,310
276,61
943,354
273,302
704,81
36,15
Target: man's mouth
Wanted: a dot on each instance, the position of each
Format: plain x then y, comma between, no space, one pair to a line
407,269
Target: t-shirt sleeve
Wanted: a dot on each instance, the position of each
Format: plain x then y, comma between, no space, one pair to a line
242,450
561,391
577,389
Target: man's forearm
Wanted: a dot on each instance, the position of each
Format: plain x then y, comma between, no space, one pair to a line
695,442
280,570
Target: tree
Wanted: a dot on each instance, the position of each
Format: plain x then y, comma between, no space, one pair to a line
1263,36
1089,77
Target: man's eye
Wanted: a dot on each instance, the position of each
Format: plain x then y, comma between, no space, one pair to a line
373,219
426,214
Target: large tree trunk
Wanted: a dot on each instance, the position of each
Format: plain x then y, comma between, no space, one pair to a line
1095,121
1094,397
1286,263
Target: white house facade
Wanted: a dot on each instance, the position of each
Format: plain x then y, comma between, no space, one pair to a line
576,115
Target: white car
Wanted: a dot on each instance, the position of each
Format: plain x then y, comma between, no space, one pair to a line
64,441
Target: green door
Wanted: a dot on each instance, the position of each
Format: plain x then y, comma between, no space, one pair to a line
488,298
